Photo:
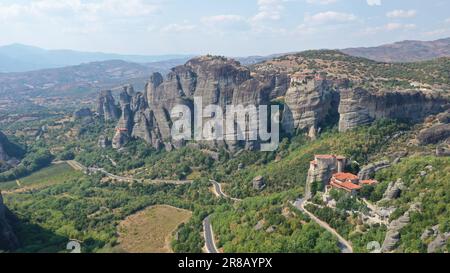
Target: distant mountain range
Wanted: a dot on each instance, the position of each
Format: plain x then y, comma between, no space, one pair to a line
112,70
80,79
21,58
405,51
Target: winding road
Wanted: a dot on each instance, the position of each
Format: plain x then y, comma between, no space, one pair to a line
219,192
210,245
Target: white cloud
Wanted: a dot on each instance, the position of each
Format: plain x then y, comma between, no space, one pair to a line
226,21
269,10
398,26
374,2
321,2
447,20
224,18
399,13
10,11
178,28
78,8
390,27
329,17
304,29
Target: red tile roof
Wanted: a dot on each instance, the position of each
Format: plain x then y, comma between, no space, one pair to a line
348,186
330,156
368,182
345,176
351,186
325,156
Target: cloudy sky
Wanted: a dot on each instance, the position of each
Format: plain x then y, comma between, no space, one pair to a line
227,27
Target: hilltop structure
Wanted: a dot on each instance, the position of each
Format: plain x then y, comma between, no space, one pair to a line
323,167
330,170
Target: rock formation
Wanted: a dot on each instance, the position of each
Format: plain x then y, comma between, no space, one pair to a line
360,107
434,134
393,233
323,167
438,243
8,240
216,80
308,101
103,142
106,106
83,113
9,153
368,171
258,183
125,124
443,150
394,190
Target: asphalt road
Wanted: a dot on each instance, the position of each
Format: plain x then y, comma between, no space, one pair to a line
210,245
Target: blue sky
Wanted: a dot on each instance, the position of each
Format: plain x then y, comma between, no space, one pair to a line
226,27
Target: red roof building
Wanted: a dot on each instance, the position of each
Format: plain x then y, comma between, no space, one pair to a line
345,181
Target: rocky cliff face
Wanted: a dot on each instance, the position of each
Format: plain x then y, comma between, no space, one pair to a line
106,106
9,153
8,240
360,107
307,103
216,80
311,101
4,156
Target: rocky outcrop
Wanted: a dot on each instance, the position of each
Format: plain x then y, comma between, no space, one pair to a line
311,102
125,124
106,106
323,167
84,113
438,239
438,243
444,117
217,80
4,156
393,233
258,183
103,142
360,107
368,171
443,150
394,190
308,101
9,153
8,240
434,134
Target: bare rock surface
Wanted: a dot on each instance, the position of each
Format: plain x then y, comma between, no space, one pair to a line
368,171
360,107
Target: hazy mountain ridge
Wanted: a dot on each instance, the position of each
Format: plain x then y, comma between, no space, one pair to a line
404,51
21,58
